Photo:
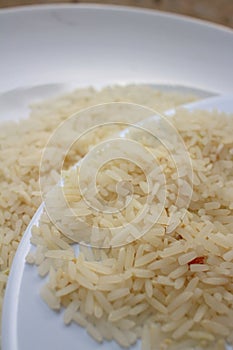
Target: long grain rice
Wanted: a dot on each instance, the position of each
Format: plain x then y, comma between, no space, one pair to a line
174,282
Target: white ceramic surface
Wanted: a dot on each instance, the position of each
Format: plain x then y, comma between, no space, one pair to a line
27,321
98,45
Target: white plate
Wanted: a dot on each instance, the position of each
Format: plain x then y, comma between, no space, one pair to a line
28,323
99,45
96,45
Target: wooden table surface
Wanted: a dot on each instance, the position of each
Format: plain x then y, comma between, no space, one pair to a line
218,11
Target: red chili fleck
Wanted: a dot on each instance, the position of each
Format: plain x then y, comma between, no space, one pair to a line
198,260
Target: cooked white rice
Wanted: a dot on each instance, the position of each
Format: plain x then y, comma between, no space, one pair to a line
172,289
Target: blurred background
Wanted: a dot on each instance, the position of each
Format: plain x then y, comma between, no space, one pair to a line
218,11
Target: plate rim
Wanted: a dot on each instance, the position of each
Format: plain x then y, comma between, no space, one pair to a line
116,8
92,11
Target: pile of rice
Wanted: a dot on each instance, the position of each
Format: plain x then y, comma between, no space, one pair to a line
21,145
173,287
